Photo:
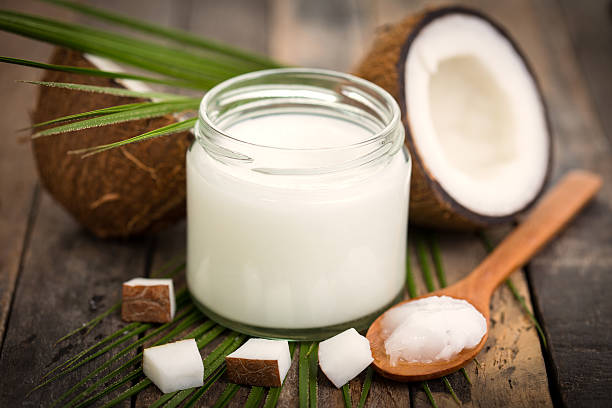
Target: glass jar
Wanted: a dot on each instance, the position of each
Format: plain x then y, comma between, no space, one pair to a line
297,203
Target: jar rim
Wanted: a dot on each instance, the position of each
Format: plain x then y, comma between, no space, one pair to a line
214,92
305,91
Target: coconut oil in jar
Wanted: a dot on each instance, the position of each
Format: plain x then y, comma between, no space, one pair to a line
297,203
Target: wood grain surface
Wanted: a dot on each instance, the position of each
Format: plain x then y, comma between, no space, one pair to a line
54,276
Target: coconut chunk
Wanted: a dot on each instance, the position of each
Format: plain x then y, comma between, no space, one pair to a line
344,356
148,300
174,366
259,362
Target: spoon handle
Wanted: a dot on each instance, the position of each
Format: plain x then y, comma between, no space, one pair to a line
550,215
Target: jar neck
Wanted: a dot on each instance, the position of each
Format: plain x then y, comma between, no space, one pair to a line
306,95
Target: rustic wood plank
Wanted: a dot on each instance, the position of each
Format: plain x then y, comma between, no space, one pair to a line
513,349
590,26
571,278
17,183
68,277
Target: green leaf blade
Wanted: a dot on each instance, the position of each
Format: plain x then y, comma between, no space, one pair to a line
107,90
100,73
367,384
178,36
162,131
303,370
145,111
346,395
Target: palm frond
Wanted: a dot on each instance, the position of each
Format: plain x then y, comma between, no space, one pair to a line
365,390
346,394
313,369
255,397
226,396
101,73
202,341
181,37
189,316
162,131
159,96
164,60
422,258
144,111
89,114
430,397
303,377
450,389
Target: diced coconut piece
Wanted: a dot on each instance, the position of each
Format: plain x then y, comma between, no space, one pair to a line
148,300
344,356
259,362
174,366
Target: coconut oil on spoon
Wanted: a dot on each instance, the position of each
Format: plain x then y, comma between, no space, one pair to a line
433,322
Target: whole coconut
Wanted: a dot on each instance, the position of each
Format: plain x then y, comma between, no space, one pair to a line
132,190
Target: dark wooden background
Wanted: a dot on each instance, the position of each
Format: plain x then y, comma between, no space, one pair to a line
54,276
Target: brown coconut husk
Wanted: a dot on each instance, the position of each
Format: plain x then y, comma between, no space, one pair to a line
132,190
430,204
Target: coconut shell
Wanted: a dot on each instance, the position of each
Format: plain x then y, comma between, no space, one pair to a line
132,190
384,64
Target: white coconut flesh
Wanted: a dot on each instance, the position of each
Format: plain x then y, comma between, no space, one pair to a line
475,114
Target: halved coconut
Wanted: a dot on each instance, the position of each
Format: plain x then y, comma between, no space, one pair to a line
476,124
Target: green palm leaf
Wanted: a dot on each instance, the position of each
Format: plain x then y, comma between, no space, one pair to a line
303,369
226,396
162,131
365,390
313,369
190,318
89,114
159,96
101,73
172,62
255,397
178,36
346,394
144,111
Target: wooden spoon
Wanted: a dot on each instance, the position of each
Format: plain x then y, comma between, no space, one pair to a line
553,212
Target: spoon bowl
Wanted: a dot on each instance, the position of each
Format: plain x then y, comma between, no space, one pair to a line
553,212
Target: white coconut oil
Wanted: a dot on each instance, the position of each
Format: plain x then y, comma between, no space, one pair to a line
298,222
431,329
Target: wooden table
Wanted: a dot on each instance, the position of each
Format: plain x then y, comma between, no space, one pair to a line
54,276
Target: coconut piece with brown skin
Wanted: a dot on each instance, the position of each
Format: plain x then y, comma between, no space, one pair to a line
259,362
148,300
476,125
132,190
